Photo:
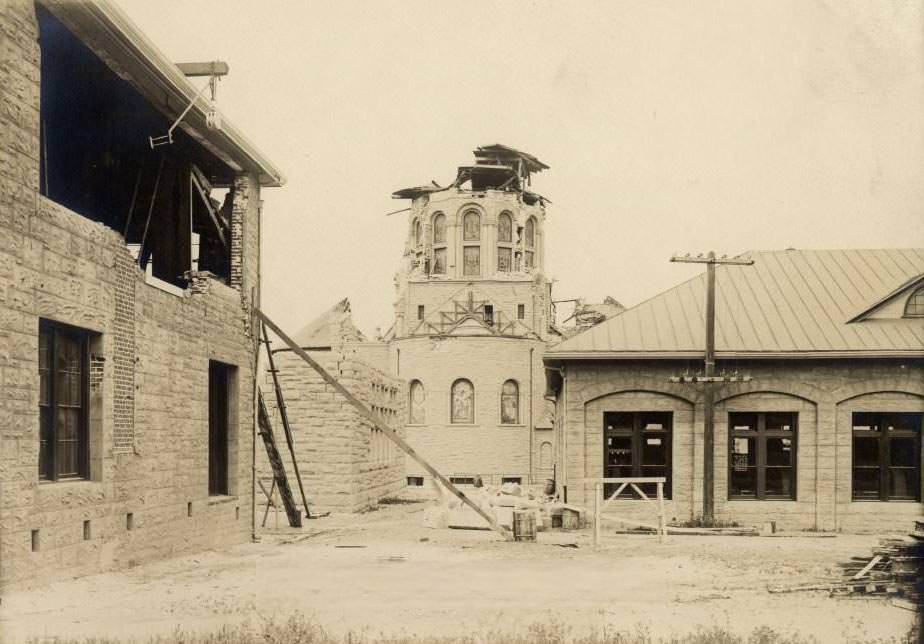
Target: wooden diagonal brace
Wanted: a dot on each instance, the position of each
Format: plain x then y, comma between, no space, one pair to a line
194,180
380,424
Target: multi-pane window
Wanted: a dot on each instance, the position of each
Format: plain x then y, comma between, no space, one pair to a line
462,402
762,455
914,307
886,456
417,403
471,247
637,444
505,242
63,390
439,244
510,403
529,255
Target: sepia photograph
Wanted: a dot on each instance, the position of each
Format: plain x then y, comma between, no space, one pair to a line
495,322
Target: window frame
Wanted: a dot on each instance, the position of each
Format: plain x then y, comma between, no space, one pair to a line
516,397
473,244
916,301
760,434
884,447
636,435
505,244
452,416
529,245
48,471
410,402
438,245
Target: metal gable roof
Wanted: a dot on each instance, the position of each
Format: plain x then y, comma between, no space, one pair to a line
789,303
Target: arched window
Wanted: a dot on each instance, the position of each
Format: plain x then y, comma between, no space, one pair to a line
471,248
462,405
914,307
529,255
504,242
439,244
418,232
417,403
510,403
545,456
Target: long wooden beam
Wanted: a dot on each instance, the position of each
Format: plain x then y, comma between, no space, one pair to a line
380,424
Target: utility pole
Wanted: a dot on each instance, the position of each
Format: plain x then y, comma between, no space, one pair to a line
709,379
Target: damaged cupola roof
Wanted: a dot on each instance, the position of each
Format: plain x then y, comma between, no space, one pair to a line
497,167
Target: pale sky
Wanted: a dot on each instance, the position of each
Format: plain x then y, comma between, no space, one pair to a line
669,126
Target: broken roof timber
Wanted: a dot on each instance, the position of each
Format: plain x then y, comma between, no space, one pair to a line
111,34
498,151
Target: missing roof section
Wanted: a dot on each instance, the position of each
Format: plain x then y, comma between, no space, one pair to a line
497,167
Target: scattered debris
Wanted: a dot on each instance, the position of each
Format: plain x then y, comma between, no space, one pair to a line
894,569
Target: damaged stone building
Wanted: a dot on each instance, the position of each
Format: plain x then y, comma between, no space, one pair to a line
129,267
472,321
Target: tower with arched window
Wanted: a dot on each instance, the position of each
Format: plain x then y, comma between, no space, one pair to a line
472,317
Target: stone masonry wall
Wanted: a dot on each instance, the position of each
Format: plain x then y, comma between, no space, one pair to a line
148,406
486,448
823,393
345,465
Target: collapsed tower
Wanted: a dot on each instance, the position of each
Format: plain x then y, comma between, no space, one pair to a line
472,319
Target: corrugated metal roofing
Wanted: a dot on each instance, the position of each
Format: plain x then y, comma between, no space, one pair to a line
792,302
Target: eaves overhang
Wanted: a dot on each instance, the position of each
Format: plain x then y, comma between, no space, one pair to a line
553,356
111,34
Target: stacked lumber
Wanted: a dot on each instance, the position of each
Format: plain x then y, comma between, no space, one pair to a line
896,567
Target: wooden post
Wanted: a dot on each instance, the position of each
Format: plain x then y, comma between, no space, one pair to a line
710,260
598,511
379,424
662,529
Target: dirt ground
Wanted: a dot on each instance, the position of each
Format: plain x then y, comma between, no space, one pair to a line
382,572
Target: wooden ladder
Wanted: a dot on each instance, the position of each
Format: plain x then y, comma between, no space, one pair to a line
279,470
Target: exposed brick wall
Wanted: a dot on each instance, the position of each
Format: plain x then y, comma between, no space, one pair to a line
345,465
823,393
123,358
148,403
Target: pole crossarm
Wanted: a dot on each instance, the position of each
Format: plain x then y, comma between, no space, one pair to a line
710,258
694,379
377,422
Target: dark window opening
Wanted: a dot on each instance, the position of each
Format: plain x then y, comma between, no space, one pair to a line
886,457
420,311
86,530
521,311
63,402
512,479
462,480
189,508
637,444
489,314
762,455
130,521
95,159
36,543
415,481
219,413
914,307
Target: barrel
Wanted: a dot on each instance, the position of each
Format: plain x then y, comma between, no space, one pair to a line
524,526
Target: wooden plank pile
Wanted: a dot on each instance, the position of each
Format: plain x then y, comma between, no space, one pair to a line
895,568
